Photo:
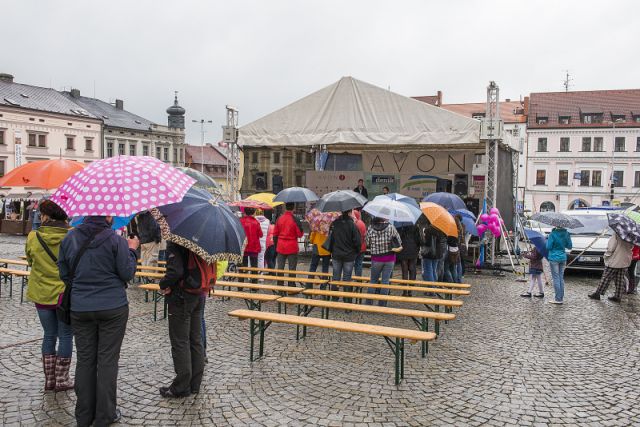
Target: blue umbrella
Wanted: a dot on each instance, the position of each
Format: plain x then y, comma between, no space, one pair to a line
538,240
400,198
468,220
203,224
296,195
446,200
118,221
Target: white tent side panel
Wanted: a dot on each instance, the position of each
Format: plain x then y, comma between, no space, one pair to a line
354,112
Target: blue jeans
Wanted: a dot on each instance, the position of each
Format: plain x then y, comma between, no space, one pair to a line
557,274
315,260
357,267
382,270
342,270
55,331
429,270
440,269
460,270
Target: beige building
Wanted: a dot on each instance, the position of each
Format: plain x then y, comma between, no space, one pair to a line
273,169
38,123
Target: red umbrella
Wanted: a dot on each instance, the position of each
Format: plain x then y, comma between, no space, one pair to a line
248,203
46,174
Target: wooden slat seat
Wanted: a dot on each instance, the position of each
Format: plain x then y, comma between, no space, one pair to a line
267,318
149,275
8,261
259,286
458,292
296,272
417,283
151,268
275,278
378,297
253,300
8,273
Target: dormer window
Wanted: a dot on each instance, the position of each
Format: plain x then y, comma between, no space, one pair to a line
477,116
564,120
618,117
542,120
636,118
590,118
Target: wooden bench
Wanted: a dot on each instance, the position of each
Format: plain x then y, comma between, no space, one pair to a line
301,280
276,289
417,283
8,273
419,317
253,300
293,272
6,262
151,268
156,296
393,336
441,291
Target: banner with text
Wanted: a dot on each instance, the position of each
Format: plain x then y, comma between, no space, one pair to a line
418,162
323,182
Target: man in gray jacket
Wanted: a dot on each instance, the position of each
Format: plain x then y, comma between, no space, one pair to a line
617,259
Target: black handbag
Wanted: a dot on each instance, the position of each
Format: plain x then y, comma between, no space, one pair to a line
63,310
328,243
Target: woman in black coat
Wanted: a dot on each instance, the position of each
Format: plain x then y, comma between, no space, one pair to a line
408,257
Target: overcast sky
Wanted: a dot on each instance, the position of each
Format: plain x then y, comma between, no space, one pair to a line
261,55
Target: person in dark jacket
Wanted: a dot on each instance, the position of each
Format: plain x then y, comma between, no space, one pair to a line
430,251
452,261
344,245
535,270
408,256
149,234
104,263
185,327
360,189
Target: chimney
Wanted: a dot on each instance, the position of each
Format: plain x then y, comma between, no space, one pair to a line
507,100
439,102
526,106
75,93
119,104
5,77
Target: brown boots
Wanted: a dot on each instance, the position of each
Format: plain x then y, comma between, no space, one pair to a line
56,373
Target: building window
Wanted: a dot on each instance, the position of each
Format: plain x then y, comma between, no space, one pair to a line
618,118
309,157
145,150
2,137
598,145
636,118
542,120
638,144
564,145
619,144
586,143
70,143
547,207
109,149
254,157
88,144
596,178
181,154
121,149
298,158
299,180
618,178
584,178
1,167
276,157
636,179
592,118
158,153
563,177
175,154
42,141
132,149
542,144
541,177
166,154
564,120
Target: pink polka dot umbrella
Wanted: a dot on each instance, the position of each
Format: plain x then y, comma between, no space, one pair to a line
121,186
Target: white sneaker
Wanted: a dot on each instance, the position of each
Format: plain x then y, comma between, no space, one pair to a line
555,302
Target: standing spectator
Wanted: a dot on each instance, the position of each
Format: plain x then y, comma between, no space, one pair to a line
617,260
187,280
319,254
270,252
149,234
362,228
383,242
344,244
408,256
385,190
45,289
287,232
264,226
535,270
253,231
97,264
452,261
462,245
430,251
632,270
360,189
558,242
441,240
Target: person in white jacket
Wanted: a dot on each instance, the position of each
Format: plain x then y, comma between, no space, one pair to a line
264,225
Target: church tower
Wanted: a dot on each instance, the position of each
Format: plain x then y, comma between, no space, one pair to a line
176,114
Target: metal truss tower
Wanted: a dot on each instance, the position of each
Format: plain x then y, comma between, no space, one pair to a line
230,138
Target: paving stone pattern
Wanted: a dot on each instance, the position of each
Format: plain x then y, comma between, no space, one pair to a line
505,360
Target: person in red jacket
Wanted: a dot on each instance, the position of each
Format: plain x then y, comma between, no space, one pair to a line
362,228
632,270
253,231
286,234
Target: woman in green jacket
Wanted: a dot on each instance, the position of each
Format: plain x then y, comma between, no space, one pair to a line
45,289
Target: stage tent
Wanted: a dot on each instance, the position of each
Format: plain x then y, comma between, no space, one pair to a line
351,111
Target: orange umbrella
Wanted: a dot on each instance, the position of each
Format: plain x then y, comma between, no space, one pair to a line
46,174
440,218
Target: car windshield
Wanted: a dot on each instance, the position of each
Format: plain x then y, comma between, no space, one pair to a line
593,225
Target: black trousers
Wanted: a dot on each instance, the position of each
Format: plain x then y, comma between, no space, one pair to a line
250,261
98,336
185,333
408,267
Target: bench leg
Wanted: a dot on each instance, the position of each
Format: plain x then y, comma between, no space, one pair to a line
402,359
253,331
397,366
155,306
10,286
397,347
24,283
425,344
262,329
164,309
437,327
252,335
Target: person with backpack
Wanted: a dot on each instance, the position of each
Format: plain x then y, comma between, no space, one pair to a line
286,234
452,261
96,264
187,279
430,251
45,289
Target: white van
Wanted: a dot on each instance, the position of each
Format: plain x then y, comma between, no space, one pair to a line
594,235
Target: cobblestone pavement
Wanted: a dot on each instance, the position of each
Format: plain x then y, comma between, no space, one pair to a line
504,361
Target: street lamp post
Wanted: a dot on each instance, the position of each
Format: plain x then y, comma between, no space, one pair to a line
613,150
202,122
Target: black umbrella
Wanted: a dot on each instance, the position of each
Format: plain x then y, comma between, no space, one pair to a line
296,195
340,201
202,180
557,219
204,225
625,227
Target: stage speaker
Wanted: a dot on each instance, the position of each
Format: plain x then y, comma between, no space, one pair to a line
461,185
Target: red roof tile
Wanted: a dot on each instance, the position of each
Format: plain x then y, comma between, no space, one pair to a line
211,155
510,111
553,105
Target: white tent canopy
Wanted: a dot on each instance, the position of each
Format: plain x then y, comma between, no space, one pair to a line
354,112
